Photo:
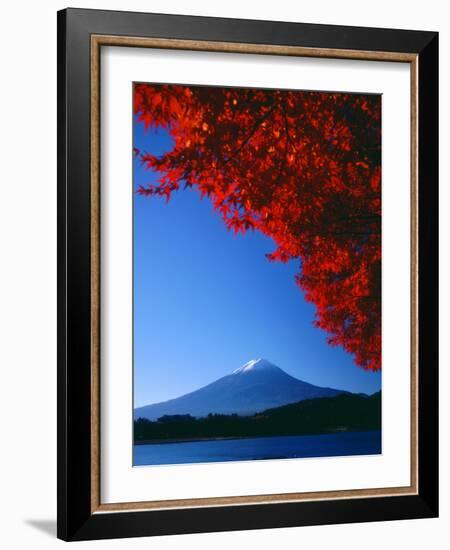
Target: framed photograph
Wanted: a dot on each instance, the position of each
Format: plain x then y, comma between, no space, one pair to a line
247,254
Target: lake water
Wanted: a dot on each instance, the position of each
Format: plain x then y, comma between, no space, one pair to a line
297,446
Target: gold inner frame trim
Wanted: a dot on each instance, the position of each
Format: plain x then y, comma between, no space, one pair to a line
97,41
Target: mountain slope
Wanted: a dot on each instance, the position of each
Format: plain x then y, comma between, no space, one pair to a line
256,386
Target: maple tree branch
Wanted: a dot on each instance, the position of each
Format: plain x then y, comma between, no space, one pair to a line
250,134
303,172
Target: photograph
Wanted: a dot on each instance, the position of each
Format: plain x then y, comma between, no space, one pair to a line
224,286
247,262
257,268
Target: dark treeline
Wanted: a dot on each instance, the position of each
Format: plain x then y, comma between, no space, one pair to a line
345,412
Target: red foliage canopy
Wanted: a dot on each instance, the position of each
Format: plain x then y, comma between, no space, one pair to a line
302,167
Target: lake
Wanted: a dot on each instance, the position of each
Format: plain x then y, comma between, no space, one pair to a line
259,448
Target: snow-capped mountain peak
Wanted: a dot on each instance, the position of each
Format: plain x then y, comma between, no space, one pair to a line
255,364
256,386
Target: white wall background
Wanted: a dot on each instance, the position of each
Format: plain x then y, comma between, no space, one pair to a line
28,272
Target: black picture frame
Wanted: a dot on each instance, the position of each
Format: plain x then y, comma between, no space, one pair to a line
76,521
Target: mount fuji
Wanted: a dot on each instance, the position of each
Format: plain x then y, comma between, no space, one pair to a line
256,386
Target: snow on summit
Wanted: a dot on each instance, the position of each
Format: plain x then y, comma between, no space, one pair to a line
255,364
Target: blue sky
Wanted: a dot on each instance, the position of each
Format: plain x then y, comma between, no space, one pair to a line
207,301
